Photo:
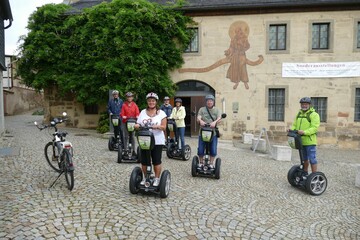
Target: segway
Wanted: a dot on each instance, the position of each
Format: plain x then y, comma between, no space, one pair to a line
114,143
173,150
146,142
316,182
127,154
207,134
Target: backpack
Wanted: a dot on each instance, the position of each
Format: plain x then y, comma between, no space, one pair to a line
307,116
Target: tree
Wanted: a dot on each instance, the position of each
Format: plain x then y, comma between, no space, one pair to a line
129,45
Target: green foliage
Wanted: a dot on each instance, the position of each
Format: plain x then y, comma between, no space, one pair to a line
103,124
128,45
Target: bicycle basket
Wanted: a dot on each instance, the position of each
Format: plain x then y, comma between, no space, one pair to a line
206,134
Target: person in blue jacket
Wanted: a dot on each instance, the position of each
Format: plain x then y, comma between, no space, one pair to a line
114,108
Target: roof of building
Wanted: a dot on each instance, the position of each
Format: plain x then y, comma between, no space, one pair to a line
5,10
206,5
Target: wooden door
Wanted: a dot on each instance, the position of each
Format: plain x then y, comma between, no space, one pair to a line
196,103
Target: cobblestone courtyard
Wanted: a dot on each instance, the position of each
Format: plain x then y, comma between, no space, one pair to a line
252,199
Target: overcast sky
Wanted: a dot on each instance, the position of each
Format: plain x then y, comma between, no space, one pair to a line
21,10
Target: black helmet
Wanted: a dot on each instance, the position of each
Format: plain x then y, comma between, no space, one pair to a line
178,100
305,100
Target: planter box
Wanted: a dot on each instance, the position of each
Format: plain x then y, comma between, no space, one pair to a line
247,138
281,153
261,147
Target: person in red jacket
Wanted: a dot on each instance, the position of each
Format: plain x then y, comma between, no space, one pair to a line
129,110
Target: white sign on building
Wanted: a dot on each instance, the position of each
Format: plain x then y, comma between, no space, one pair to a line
321,70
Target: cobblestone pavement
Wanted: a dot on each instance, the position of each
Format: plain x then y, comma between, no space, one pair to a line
252,199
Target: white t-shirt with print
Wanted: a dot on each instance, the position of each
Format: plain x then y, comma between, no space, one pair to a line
156,120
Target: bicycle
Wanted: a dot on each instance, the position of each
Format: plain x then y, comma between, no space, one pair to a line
59,152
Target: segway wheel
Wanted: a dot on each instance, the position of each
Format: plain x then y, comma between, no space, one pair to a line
169,150
120,154
316,183
217,168
165,181
135,179
294,174
186,153
194,165
138,153
110,143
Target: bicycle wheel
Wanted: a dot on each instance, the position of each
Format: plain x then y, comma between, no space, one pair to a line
68,169
52,160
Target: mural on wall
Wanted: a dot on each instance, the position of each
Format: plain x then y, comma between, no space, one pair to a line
235,55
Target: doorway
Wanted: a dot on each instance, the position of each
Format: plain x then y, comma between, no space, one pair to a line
192,94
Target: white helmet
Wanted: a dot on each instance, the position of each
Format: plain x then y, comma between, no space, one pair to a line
152,95
115,92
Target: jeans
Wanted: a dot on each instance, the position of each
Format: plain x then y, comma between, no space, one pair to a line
213,147
181,134
309,153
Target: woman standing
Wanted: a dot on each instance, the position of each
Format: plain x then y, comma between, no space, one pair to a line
155,118
178,114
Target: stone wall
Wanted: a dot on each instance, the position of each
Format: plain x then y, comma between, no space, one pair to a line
18,100
56,105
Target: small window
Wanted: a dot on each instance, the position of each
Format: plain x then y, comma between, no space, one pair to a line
276,104
91,109
320,36
277,37
357,105
194,44
320,105
358,35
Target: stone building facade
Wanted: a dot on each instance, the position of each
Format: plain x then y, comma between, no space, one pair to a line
258,59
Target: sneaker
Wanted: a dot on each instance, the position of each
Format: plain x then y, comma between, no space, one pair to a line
143,181
156,182
211,166
200,165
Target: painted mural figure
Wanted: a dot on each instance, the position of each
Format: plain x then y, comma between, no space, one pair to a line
235,55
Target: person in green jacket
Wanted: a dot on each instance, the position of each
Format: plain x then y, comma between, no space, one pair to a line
307,123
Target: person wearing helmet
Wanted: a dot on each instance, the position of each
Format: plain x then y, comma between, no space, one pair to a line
208,115
307,122
178,114
129,110
114,108
167,108
156,117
